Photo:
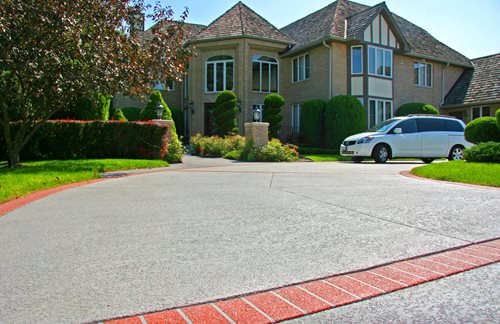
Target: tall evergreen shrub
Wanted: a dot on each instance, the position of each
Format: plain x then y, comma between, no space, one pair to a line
224,113
344,116
312,122
272,113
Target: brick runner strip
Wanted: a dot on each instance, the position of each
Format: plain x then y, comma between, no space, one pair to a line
314,296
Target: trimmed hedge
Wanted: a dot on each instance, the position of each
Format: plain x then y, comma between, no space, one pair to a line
483,152
344,116
482,129
65,140
312,116
224,113
416,108
132,113
272,113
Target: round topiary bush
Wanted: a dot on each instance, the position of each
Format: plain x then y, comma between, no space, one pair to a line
482,129
272,113
344,116
149,112
312,117
224,113
416,108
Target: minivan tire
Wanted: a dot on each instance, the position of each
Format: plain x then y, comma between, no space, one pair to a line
381,153
456,153
357,159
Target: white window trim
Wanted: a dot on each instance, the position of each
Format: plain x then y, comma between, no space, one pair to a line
480,112
260,74
424,84
296,110
383,62
214,63
298,67
376,108
352,65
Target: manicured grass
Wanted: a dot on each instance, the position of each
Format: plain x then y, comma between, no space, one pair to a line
35,176
487,174
326,157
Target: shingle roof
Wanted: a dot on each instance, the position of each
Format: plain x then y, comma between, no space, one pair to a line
240,20
481,84
190,30
330,22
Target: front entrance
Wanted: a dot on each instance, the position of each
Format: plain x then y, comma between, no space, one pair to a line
209,121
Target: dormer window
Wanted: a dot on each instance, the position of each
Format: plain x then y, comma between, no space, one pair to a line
219,73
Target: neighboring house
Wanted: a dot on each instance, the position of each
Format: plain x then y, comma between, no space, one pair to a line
344,48
477,92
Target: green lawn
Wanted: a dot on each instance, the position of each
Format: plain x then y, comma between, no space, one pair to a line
35,176
326,157
487,174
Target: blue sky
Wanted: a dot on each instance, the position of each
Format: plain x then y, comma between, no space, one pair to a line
470,27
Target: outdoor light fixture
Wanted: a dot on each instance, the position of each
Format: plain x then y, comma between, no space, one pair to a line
256,114
159,110
191,106
238,103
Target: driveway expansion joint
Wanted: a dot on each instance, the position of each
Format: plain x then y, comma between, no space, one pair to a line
316,295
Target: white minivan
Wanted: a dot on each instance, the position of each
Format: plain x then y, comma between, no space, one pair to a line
415,136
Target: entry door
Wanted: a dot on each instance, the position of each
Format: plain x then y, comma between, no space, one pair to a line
209,119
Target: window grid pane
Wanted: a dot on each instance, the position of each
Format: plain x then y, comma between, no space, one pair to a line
357,60
380,62
210,77
301,68
229,76
307,67
429,76
371,60
274,77
388,63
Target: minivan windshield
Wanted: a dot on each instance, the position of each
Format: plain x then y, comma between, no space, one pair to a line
384,126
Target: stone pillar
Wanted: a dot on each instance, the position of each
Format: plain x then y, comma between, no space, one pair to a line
258,132
168,127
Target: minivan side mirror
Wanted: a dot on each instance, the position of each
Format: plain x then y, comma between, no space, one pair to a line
397,131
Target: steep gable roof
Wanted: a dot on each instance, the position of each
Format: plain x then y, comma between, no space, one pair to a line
329,23
240,21
478,85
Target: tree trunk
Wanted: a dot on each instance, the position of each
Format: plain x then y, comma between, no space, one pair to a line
13,158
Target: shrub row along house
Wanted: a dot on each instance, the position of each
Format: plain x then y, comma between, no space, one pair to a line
345,48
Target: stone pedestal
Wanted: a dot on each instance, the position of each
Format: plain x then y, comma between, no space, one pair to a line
258,133
167,124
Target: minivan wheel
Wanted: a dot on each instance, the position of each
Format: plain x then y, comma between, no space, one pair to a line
357,159
456,153
381,153
427,160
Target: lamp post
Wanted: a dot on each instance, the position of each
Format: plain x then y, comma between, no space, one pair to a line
159,110
256,114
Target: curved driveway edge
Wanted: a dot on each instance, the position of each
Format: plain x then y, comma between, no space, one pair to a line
313,296
409,174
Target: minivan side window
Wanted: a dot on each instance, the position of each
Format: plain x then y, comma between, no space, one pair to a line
430,125
408,126
453,126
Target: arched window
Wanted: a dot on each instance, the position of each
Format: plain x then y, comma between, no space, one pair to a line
219,73
265,74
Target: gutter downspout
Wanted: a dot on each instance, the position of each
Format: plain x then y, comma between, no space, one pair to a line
329,69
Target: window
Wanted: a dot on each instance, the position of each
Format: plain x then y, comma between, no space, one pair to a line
301,69
356,60
296,119
379,61
480,112
423,74
380,110
219,73
453,126
430,125
265,74
408,126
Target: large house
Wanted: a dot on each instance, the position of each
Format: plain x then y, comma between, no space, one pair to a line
345,48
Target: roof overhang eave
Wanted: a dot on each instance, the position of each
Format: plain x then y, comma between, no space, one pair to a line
471,104
315,43
214,39
440,60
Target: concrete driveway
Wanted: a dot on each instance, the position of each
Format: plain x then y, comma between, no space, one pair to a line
212,228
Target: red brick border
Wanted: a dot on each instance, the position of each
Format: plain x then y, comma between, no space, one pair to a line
305,298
